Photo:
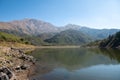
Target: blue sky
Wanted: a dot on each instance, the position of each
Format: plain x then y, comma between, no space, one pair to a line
91,13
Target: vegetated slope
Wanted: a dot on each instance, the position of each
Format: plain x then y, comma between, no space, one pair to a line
45,36
5,37
112,41
69,37
35,40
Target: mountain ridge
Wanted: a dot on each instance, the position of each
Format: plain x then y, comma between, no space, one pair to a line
39,31
28,26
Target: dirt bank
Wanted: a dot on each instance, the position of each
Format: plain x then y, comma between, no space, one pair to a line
15,64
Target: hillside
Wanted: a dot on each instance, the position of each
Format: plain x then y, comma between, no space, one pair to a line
39,32
69,37
6,38
112,41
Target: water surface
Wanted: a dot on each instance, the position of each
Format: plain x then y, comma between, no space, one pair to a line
77,64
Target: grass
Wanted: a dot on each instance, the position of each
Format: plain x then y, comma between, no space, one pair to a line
5,37
10,40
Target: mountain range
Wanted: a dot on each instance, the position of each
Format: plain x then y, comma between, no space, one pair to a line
38,31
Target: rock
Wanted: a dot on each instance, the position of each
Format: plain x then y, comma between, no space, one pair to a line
4,76
17,68
28,58
8,72
10,60
24,67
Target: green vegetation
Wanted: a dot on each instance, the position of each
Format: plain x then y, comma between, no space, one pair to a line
35,40
69,37
92,44
113,41
5,37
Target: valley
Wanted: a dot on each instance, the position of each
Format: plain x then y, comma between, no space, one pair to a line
59,39
42,33
30,35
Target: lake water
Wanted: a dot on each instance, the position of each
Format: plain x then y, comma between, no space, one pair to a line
77,64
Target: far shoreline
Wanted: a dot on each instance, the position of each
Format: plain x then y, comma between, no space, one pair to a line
61,46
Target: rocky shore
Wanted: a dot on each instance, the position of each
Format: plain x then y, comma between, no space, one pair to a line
15,64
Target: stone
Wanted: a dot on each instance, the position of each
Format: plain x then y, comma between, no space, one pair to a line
8,72
17,68
4,76
24,67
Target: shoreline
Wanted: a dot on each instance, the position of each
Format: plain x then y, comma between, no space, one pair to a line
66,46
16,61
15,64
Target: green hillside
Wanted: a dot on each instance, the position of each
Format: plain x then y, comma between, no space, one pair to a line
112,41
5,37
69,37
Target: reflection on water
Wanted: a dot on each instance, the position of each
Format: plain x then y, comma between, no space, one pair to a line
77,64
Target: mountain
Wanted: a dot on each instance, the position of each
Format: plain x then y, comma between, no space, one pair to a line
33,27
45,36
38,27
28,26
70,26
112,41
69,37
39,32
98,34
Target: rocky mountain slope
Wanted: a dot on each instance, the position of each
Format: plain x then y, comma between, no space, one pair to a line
28,26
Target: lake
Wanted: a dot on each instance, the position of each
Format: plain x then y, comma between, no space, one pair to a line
77,64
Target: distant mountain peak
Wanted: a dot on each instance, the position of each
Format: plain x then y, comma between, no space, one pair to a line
71,26
33,20
29,26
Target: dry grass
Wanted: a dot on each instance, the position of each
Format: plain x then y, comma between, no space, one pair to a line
16,45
